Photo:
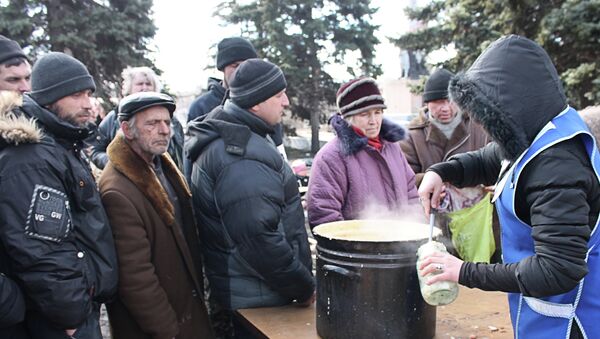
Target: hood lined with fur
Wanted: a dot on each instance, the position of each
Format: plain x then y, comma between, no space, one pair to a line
352,142
16,129
513,90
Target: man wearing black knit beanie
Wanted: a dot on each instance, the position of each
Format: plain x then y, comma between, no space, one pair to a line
231,52
246,197
55,232
15,70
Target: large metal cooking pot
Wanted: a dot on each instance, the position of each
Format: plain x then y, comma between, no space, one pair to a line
367,285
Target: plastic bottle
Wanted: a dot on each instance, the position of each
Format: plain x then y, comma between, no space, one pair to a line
442,292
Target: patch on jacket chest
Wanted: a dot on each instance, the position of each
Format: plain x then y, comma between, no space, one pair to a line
49,215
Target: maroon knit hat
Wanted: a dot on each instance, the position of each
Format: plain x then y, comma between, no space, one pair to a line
359,95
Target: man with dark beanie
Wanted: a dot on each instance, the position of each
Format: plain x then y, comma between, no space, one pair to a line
15,71
57,242
231,52
246,197
439,132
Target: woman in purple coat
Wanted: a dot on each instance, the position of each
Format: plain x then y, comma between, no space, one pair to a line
361,173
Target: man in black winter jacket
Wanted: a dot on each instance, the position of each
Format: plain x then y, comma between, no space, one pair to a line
231,52
546,167
56,239
246,197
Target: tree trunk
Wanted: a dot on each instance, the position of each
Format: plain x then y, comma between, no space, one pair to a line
314,129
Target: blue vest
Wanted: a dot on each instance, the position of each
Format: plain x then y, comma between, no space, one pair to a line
550,317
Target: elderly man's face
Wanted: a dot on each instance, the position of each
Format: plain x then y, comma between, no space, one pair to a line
75,108
15,78
442,110
151,132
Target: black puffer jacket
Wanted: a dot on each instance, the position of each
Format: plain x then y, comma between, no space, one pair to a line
202,105
206,102
514,91
56,239
251,221
12,309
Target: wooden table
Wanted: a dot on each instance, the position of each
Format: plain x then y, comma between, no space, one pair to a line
474,314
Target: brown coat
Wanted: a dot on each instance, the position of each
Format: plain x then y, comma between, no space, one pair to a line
160,291
427,145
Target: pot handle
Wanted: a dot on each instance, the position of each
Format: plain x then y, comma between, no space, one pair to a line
341,271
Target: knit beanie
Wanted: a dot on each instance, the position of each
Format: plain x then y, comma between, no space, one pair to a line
9,49
359,95
57,75
230,50
436,86
254,81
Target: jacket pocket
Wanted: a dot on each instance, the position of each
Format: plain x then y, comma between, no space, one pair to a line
49,215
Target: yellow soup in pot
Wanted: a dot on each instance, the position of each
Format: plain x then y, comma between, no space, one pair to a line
375,230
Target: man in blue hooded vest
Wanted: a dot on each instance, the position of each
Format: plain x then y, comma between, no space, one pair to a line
546,167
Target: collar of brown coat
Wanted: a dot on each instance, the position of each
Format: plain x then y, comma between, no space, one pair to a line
132,166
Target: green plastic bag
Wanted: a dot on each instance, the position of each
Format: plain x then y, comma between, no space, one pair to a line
472,233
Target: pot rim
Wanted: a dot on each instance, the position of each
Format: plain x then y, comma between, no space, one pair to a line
321,231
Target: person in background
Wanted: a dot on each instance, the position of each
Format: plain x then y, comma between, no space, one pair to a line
98,112
56,239
135,80
15,76
591,116
15,70
363,165
255,244
440,131
150,210
546,166
231,52
12,300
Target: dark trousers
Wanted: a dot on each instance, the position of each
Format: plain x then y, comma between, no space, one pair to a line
39,328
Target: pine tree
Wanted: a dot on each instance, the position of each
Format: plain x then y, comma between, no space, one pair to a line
568,29
106,36
302,36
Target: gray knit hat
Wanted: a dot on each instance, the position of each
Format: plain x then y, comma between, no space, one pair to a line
230,50
57,75
9,49
254,81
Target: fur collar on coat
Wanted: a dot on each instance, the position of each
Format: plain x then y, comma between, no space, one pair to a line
15,130
133,167
352,143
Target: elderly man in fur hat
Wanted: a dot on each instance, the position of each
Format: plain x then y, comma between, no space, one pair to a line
149,207
57,242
